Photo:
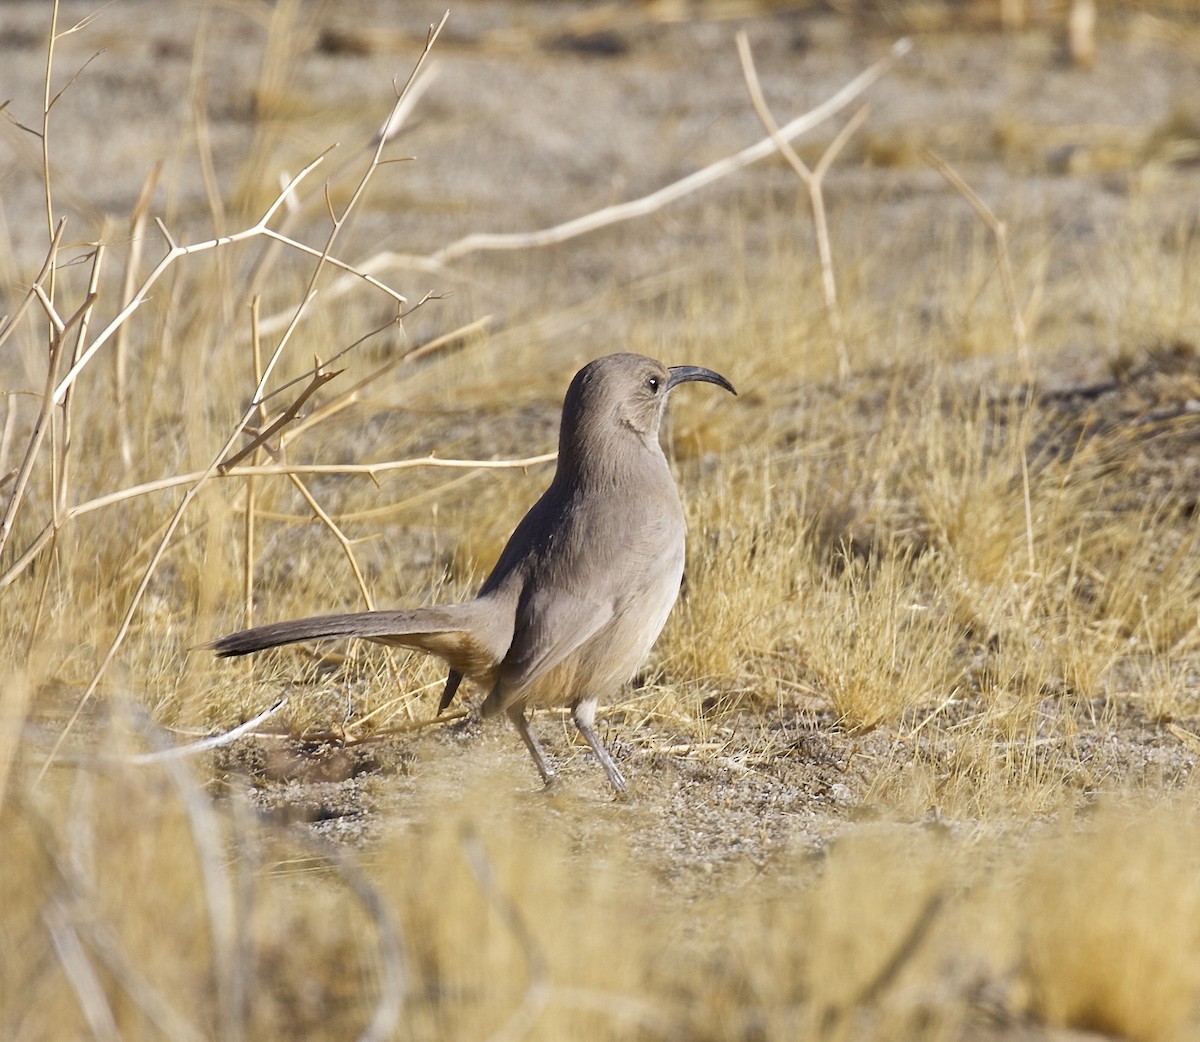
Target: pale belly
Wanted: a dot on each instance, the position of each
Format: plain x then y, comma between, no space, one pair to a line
600,667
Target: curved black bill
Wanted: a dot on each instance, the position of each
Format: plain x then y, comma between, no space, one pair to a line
683,373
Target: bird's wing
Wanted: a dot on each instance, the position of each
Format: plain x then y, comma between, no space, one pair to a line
471,638
551,625
460,648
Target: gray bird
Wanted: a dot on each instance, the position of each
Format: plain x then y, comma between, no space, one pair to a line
584,585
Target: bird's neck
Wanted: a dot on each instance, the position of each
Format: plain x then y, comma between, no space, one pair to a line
606,457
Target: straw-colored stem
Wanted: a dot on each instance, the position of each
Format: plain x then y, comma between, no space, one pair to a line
1000,235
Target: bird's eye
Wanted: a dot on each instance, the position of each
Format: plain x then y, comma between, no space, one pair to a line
652,383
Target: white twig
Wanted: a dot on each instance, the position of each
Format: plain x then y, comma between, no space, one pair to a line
174,252
133,261
371,470
656,200
394,987
343,540
814,184
25,471
216,741
157,1008
436,263
220,895
999,232
402,111
107,949
333,262
55,320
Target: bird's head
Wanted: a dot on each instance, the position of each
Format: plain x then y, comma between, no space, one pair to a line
622,393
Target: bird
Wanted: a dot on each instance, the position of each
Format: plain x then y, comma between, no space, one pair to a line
585,583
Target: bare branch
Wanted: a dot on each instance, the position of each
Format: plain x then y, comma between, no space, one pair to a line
173,254
301,247
416,91
48,307
352,395
60,454
371,470
107,949
813,182
82,975
219,892
42,423
839,141
137,225
290,413
394,986
277,353
1000,235
10,323
339,535
436,263
87,20
90,299
249,519
678,189
47,192
321,366
78,73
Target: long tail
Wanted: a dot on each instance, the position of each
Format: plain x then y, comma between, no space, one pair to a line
357,624
456,633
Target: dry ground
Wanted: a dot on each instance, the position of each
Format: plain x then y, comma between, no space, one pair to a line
914,757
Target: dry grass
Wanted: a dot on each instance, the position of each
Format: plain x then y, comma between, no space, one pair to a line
895,931
1125,882
938,643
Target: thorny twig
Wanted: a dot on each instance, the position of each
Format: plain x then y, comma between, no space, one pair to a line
371,470
290,413
193,490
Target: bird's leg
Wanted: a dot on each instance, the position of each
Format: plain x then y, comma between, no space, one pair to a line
584,713
516,713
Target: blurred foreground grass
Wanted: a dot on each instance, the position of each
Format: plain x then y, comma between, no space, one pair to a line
136,909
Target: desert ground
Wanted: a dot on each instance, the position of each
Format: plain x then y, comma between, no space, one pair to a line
914,756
